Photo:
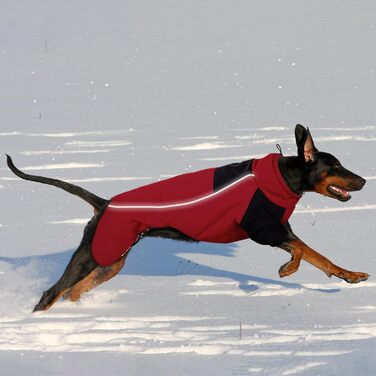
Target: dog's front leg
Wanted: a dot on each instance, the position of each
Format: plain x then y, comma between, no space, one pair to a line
293,265
299,250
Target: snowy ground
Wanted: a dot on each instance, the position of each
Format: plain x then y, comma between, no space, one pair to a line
118,94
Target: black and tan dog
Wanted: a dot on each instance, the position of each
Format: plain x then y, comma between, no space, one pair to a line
309,171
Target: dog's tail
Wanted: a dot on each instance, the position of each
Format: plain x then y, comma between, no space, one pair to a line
89,197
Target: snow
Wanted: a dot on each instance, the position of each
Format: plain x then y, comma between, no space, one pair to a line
118,94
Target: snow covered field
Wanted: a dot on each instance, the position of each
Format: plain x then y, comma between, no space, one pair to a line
112,95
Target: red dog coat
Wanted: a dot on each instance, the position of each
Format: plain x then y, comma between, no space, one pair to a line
220,205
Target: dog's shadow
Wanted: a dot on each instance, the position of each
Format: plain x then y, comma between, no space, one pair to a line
159,257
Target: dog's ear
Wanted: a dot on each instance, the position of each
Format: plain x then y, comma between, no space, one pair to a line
304,142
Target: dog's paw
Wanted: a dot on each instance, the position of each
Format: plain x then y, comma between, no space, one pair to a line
43,302
353,277
288,269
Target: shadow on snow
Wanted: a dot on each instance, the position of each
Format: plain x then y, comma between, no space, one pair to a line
158,257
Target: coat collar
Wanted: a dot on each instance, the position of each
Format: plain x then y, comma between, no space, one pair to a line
270,181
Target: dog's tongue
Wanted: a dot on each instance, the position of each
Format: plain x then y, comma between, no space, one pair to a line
340,191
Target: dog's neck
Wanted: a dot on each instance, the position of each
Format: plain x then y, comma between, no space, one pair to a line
293,173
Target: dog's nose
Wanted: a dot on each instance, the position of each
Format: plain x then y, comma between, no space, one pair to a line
362,182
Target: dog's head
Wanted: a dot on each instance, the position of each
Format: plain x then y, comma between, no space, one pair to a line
323,173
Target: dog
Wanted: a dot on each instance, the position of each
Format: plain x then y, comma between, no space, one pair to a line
251,199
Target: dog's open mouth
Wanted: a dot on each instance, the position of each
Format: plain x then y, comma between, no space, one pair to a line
340,193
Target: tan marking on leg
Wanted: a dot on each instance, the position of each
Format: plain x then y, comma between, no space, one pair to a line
293,265
99,275
322,263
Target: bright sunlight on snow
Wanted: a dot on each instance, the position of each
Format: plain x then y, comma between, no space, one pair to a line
115,94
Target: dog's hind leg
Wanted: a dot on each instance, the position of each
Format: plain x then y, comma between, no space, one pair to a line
102,274
98,276
79,267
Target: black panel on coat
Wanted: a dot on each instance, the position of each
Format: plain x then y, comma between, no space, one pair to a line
227,174
262,221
